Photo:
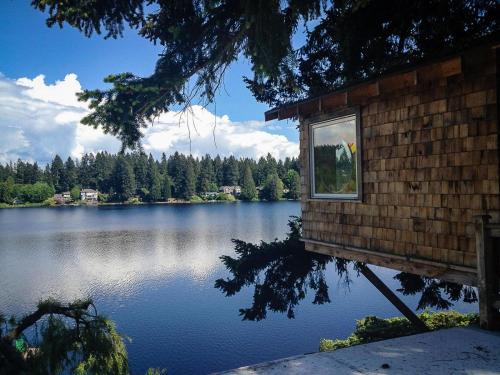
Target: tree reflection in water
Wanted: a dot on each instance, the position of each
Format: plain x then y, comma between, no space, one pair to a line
283,271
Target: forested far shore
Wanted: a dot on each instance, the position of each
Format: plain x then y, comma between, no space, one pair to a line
137,177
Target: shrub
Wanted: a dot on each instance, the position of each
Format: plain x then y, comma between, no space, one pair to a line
371,328
225,197
196,199
50,202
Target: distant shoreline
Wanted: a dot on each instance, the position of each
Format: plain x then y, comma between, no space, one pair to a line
104,204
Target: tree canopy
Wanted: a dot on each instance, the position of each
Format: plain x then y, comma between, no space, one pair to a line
344,40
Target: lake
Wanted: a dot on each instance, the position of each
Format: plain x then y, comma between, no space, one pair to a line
152,268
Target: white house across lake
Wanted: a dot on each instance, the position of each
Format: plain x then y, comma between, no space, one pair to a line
89,195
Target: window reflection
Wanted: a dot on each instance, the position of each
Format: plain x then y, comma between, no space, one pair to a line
334,158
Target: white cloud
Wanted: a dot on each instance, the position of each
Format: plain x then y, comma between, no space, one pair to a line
43,120
38,120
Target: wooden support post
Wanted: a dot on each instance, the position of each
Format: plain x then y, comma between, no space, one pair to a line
486,275
389,294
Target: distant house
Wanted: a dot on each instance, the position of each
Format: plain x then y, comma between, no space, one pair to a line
89,195
235,190
63,197
59,198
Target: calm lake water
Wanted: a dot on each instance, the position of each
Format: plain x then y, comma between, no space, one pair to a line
152,269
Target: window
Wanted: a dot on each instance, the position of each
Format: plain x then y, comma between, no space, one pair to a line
335,158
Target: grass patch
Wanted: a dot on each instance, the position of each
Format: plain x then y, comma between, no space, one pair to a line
371,328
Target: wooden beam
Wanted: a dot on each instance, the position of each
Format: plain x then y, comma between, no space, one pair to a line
418,266
489,317
394,299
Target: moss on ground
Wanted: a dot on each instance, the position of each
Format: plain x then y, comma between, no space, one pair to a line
371,328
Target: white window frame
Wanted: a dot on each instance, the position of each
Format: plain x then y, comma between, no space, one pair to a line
333,121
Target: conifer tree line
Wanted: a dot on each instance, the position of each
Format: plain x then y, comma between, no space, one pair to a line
121,177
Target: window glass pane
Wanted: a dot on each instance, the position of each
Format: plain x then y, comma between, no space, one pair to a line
335,157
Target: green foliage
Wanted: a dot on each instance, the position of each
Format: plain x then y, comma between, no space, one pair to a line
103,197
123,179
70,337
273,188
56,174
248,190
196,199
225,197
133,200
371,328
119,177
34,193
75,193
345,41
292,182
206,179
7,190
50,202
231,171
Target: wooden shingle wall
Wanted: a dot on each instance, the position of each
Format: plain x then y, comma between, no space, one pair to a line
429,165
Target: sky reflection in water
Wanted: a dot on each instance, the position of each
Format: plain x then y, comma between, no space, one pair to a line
152,269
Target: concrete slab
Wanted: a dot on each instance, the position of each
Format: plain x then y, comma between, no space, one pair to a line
448,351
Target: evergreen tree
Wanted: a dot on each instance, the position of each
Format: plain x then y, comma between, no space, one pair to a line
273,188
154,181
248,190
186,183
166,187
176,171
140,163
163,165
261,171
218,170
206,178
7,190
87,172
281,169
104,165
57,171
231,171
292,182
69,176
123,179
271,165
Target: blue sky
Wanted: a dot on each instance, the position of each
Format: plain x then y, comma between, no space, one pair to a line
28,48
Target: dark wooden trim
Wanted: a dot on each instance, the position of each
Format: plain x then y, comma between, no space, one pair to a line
452,273
489,317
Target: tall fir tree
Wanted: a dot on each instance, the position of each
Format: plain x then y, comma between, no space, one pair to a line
231,171
154,180
57,171
206,177
248,190
123,179
292,182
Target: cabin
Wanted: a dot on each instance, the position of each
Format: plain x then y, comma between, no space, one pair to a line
89,195
402,171
66,195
